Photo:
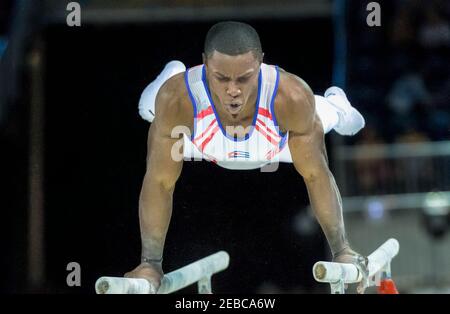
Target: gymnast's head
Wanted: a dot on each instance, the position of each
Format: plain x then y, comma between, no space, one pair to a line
232,57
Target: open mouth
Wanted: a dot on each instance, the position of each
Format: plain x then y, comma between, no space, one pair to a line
234,107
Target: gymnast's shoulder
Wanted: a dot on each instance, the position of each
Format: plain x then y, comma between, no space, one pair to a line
294,103
173,106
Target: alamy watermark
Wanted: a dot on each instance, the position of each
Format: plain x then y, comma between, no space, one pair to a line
374,17
244,151
73,279
74,16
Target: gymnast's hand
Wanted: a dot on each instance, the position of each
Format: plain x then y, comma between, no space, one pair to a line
347,255
151,271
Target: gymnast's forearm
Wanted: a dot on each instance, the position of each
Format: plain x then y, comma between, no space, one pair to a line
155,210
327,206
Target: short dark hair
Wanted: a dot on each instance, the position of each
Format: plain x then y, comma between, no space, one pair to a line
232,38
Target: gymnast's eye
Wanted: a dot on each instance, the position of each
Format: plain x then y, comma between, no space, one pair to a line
222,79
243,79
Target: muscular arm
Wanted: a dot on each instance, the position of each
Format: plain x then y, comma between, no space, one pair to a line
155,201
297,115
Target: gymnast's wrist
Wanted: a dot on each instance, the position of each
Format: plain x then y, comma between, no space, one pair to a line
339,248
150,260
341,251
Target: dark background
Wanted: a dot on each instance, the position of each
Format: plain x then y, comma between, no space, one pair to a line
95,148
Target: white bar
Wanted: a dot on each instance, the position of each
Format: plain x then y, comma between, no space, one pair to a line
171,282
348,273
193,272
121,285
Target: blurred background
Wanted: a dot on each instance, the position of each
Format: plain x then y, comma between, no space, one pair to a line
73,147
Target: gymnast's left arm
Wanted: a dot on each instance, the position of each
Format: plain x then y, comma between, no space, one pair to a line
308,151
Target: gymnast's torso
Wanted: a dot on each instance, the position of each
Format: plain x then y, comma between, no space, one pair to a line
263,142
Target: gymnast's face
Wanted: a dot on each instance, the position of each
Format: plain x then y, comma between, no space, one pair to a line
233,81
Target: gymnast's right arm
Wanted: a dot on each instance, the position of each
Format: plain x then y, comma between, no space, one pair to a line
162,172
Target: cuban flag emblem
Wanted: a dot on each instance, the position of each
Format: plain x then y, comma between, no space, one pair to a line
239,154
